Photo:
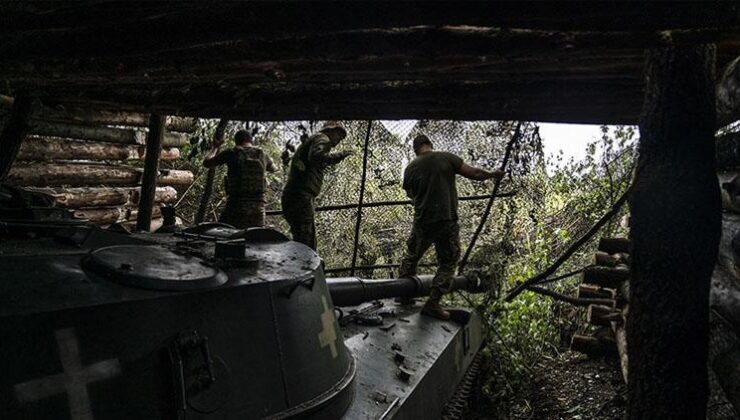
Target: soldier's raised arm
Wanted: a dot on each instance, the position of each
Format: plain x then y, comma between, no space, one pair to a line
478,174
320,153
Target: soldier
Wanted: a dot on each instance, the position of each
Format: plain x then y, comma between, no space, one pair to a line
429,180
245,180
305,177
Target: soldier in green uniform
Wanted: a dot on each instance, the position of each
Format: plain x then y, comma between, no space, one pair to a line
245,180
305,177
429,180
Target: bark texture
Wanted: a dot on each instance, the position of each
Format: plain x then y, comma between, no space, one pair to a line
675,233
13,133
84,174
151,168
54,148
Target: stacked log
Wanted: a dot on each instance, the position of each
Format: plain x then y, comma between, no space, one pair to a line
607,279
81,159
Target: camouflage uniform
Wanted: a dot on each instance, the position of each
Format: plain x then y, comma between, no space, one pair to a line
445,235
430,181
245,186
305,178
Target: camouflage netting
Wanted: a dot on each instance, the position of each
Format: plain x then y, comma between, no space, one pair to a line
383,228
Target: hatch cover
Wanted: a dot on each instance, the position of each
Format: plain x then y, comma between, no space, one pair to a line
153,267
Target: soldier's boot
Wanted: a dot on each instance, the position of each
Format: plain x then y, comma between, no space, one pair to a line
433,308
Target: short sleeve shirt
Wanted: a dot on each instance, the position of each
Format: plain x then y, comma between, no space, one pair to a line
430,182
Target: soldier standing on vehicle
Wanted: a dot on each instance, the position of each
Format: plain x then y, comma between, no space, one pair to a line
245,180
305,178
429,180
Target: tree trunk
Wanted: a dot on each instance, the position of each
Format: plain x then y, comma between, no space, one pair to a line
728,94
729,244
163,195
728,151
87,174
54,148
675,233
104,134
151,168
210,176
13,134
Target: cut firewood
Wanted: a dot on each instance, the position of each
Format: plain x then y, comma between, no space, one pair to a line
602,315
614,245
163,195
592,291
605,276
131,214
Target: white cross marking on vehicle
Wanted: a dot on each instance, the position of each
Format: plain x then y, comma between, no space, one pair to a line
328,336
73,380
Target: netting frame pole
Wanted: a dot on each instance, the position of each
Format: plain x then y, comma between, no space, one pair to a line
496,184
358,221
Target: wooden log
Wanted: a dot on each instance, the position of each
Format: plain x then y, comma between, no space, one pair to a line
592,346
604,259
36,148
593,291
620,334
100,215
606,276
86,116
76,198
601,315
133,214
163,195
614,245
104,134
131,225
175,177
13,133
154,140
87,174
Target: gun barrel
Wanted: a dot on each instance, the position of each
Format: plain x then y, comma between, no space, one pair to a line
352,291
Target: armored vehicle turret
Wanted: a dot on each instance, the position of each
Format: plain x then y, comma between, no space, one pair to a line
212,323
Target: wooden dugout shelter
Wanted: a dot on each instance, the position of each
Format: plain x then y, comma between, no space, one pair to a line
665,66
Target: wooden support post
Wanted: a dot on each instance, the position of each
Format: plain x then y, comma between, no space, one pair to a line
358,221
218,136
14,132
151,167
675,236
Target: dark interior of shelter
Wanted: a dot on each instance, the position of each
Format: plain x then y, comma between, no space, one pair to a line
346,210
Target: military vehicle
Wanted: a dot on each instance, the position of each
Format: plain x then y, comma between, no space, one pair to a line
212,323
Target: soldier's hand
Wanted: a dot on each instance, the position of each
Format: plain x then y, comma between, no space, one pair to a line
498,174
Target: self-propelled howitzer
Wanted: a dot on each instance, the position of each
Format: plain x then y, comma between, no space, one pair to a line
212,323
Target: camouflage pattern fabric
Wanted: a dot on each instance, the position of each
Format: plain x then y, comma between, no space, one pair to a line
307,167
445,236
243,214
298,210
